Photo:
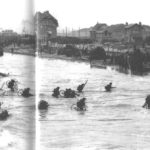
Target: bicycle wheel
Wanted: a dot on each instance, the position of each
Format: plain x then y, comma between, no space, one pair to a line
62,93
20,92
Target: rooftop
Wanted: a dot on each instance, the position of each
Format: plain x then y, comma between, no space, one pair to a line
46,15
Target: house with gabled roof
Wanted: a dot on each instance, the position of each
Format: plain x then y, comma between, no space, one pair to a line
134,33
45,26
99,32
117,31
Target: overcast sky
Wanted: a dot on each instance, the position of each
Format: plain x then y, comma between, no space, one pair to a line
76,13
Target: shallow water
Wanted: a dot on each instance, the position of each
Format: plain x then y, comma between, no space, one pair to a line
113,120
18,131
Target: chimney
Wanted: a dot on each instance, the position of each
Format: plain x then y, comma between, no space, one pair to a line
140,23
126,23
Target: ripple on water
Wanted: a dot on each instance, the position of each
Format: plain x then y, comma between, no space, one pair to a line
111,120
19,128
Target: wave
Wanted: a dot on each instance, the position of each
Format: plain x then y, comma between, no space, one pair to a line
6,140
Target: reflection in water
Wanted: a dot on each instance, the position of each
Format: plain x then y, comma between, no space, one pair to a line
81,112
43,113
128,71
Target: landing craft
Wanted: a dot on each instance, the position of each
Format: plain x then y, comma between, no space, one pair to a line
98,64
4,74
4,115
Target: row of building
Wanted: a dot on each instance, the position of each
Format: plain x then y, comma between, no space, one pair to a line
8,33
120,32
44,26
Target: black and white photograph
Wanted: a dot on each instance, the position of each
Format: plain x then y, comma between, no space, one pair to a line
74,75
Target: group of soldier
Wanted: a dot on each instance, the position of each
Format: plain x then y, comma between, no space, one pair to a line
69,93
12,85
80,105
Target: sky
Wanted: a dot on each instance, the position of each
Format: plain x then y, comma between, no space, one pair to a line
75,14
13,12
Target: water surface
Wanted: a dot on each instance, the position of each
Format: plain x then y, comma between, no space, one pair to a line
113,120
18,131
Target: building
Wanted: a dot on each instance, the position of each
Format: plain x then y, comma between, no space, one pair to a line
8,33
81,33
134,33
8,37
131,33
45,26
102,36
99,33
117,32
146,32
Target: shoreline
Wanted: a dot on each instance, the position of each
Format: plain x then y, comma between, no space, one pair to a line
21,51
31,52
65,58
62,57
48,56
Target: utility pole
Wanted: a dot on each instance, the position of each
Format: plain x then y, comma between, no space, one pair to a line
63,33
72,32
79,32
66,32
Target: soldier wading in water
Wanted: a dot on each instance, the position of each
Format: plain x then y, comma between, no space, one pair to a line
80,105
81,87
108,87
147,102
56,92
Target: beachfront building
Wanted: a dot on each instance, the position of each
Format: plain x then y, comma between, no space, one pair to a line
134,33
117,32
103,33
8,33
45,26
146,32
102,36
81,33
99,32
8,36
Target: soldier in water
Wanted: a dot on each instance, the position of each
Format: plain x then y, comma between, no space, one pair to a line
108,87
147,102
81,87
81,104
26,92
56,92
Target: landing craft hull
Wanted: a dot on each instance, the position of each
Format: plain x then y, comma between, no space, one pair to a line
98,64
3,74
